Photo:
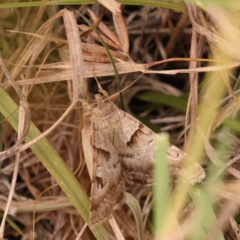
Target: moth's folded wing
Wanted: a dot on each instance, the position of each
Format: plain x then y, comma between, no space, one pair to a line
137,149
108,186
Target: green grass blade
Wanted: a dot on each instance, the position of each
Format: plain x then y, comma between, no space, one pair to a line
53,162
157,98
161,4
13,225
134,205
162,184
232,124
205,215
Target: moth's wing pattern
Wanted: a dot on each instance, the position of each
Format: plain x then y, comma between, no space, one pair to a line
122,149
108,185
138,149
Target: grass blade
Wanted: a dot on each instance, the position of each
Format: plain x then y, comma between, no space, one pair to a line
53,162
162,185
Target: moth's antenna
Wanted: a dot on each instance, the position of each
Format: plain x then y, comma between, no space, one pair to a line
101,90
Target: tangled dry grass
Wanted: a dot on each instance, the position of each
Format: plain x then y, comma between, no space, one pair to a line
177,70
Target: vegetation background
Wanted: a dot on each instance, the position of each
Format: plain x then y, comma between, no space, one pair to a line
176,64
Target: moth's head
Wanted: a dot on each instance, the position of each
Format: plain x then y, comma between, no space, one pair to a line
101,101
103,108
99,98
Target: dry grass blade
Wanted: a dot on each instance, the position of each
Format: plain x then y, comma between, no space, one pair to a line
108,32
104,69
95,36
27,115
21,129
235,228
116,229
112,5
121,32
79,86
193,78
212,37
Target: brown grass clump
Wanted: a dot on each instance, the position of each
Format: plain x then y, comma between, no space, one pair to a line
173,66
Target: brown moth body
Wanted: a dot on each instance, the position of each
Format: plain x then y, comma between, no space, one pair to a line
118,149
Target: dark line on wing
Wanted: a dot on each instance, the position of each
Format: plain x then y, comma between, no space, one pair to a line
134,138
126,155
101,152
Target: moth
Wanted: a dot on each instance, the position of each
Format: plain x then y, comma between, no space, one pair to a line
118,149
